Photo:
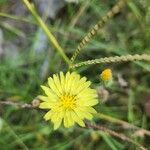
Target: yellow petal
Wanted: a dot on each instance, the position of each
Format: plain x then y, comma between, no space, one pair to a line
48,115
53,86
89,109
90,102
57,118
62,81
66,123
77,119
57,123
46,105
57,83
69,118
43,98
82,84
87,93
66,86
74,83
52,96
83,114
69,83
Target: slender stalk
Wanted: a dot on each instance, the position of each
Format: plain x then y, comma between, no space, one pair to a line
115,59
50,36
16,18
34,104
115,134
125,124
116,8
18,139
80,13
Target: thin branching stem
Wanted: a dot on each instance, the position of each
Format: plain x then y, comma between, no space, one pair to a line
115,9
50,36
124,124
10,16
115,134
35,104
114,59
10,130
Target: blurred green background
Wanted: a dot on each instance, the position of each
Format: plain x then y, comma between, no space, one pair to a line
27,59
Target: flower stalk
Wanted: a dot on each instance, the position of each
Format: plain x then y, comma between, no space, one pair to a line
124,124
116,9
115,134
114,59
50,36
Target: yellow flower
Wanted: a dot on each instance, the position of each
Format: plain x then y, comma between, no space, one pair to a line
69,100
106,75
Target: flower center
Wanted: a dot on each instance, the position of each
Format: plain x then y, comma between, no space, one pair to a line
67,101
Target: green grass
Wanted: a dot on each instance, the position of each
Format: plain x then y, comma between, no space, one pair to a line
20,80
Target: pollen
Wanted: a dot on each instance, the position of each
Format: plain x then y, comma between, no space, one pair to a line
106,75
68,102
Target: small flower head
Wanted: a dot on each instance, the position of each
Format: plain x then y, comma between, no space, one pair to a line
69,99
106,75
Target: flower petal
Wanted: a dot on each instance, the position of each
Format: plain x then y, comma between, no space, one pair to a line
53,87
43,98
88,102
62,81
70,119
82,114
57,123
48,115
69,83
52,96
89,109
77,119
46,105
82,84
57,83
66,122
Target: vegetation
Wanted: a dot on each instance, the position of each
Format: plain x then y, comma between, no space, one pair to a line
28,58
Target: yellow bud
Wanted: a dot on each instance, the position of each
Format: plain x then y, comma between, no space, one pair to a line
106,75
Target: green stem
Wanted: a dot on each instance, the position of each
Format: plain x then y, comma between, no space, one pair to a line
16,18
115,134
50,36
125,124
114,59
18,139
115,9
